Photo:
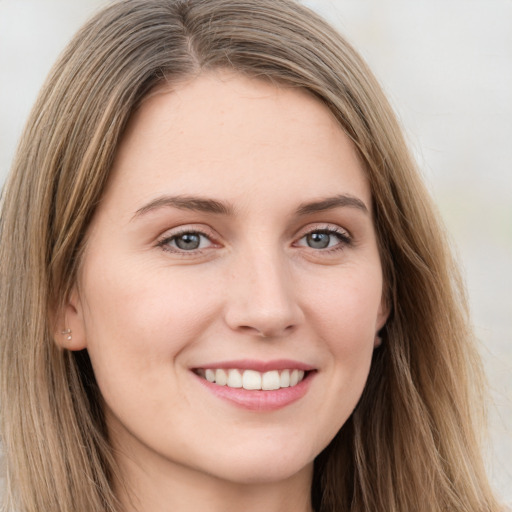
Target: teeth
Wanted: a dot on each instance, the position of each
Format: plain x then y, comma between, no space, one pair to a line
221,377
285,378
234,379
270,380
253,380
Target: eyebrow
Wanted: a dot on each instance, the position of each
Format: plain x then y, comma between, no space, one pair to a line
329,203
206,205
198,204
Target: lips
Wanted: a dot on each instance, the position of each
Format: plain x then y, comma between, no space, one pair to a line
256,385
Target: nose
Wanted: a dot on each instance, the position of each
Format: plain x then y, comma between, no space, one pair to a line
262,296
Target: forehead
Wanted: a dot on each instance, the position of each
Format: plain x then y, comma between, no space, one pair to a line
227,134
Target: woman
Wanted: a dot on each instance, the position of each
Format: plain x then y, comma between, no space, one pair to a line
223,284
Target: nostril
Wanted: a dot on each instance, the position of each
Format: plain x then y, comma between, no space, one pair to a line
266,333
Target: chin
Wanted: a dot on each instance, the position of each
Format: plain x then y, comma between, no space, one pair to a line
262,466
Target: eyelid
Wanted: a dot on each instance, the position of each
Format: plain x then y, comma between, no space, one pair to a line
344,236
173,233
324,227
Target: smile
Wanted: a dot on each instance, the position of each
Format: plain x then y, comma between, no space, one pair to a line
257,385
252,379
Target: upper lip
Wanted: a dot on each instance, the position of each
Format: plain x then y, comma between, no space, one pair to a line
259,366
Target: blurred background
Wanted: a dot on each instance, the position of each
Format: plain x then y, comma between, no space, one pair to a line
446,66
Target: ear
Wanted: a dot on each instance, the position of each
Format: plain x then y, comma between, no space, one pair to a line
69,325
382,318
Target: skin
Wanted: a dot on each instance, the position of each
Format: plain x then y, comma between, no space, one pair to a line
149,312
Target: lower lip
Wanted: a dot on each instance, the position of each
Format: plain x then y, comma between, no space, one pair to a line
256,400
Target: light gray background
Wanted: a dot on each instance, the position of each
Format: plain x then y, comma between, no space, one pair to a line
447,68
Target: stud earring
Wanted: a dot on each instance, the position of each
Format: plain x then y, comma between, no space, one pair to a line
67,333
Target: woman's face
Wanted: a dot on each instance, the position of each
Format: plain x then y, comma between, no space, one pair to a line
234,242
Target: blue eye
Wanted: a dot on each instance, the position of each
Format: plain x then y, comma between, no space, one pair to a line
186,241
325,239
318,240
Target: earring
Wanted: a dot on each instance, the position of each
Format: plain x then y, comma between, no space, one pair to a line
67,333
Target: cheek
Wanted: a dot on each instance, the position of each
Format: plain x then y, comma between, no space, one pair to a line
137,323
347,308
346,314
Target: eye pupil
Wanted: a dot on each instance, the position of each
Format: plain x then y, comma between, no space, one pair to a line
318,240
188,241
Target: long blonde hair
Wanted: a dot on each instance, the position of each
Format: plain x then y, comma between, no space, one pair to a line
412,444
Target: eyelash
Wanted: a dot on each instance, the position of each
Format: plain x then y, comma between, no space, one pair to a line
344,238
164,243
